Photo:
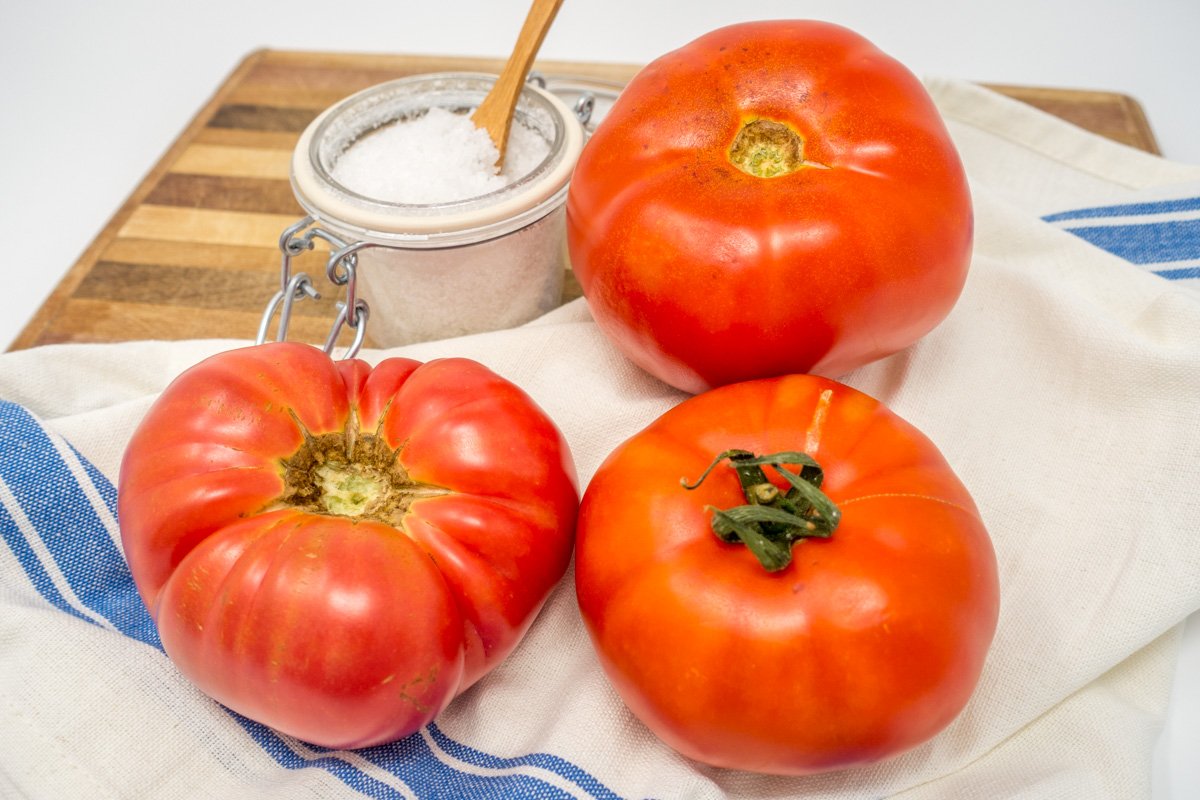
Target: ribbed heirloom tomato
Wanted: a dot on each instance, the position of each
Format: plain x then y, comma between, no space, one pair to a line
783,576
338,551
775,197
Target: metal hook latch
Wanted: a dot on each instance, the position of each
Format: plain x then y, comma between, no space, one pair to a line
585,104
340,269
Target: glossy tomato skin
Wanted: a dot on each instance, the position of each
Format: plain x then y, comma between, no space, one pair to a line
867,644
704,274
344,631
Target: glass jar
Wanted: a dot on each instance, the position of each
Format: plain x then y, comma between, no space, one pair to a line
433,271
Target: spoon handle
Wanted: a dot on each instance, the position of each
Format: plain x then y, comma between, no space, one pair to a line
494,114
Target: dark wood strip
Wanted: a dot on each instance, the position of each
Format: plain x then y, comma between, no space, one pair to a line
157,252
289,96
88,320
225,193
189,288
262,118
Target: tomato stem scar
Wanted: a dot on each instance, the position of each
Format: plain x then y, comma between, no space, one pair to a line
767,149
771,521
350,473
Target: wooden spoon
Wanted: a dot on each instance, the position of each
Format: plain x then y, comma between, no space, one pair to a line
495,113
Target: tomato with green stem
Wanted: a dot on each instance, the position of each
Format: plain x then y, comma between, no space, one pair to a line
784,576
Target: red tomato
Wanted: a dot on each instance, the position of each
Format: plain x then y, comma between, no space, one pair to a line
775,197
338,551
868,642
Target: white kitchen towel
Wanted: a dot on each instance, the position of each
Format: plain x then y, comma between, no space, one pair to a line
1063,389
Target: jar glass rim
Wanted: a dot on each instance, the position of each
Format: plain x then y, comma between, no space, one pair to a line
325,197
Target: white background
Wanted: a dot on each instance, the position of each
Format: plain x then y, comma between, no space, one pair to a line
94,92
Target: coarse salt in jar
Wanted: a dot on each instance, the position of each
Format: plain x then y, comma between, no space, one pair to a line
443,247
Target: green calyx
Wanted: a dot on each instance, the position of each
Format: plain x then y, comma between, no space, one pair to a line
772,520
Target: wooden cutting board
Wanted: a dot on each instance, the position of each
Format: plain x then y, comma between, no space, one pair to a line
193,252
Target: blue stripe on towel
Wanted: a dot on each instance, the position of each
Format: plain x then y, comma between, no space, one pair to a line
1180,274
1160,236
1146,243
542,760
58,509
12,535
421,771
1172,206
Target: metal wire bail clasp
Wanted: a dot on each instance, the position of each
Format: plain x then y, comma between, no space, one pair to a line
585,104
340,269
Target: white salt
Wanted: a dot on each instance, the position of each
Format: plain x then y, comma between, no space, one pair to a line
438,157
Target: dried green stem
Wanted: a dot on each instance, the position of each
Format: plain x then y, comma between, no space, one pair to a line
772,520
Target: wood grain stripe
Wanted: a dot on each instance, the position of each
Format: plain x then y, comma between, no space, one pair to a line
259,140
204,225
88,320
338,75
190,288
244,162
262,118
226,193
193,254
291,96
